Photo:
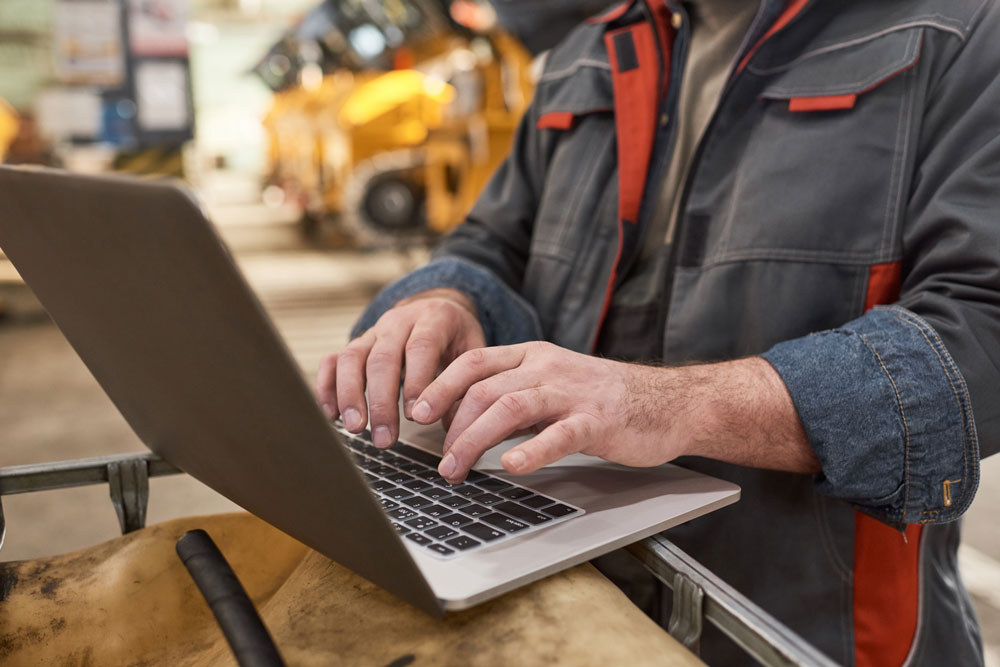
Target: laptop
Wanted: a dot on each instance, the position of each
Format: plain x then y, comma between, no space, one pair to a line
136,278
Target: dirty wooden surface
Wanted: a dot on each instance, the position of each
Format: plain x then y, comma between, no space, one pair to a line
130,602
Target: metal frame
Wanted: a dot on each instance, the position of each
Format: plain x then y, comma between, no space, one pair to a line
127,477
698,594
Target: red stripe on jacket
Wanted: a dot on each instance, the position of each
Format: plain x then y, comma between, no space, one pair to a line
886,562
637,102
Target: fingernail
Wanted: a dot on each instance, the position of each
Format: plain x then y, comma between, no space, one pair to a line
422,411
515,460
328,410
352,419
447,467
408,409
382,437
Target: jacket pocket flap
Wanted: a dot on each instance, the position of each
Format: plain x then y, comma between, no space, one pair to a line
832,77
560,97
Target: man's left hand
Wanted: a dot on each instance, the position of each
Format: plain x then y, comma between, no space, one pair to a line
636,415
571,401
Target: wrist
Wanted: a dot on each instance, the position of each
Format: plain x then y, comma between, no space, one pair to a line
742,413
662,407
447,293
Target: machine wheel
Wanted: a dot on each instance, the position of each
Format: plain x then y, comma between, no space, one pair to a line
391,203
384,204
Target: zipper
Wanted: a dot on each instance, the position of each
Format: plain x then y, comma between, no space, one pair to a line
669,100
656,174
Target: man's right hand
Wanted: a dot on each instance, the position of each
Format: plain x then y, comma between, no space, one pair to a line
422,334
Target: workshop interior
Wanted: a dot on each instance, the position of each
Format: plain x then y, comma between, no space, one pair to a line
200,199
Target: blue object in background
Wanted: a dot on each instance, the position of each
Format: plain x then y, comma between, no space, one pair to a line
118,122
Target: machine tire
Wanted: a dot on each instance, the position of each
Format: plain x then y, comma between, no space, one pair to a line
384,203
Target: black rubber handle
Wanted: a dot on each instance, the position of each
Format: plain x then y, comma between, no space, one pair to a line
244,630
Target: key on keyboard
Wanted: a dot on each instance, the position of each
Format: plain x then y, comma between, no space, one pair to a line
445,520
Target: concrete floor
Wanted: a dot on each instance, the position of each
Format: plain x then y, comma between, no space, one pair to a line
52,409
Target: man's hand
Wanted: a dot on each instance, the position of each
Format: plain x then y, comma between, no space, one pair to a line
625,413
423,334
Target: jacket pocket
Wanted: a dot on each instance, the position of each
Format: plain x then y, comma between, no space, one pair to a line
826,159
579,90
835,77
574,233
574,115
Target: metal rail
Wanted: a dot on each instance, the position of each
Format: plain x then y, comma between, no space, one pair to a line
127,477
699,594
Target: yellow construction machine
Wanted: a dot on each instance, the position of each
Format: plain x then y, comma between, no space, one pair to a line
391,123
8,127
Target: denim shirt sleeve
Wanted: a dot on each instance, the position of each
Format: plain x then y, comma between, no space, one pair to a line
506,317
888,415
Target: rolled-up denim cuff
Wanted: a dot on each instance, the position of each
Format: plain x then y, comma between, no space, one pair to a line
888,415
506,317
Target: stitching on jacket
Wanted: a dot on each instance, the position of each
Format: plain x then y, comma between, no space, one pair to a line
911,93
917,643
960,31
847,619
860,289
976,15
906,425
726,233
856,258
571,212
826,539
573,69
896,171
909,55
893,175
948,367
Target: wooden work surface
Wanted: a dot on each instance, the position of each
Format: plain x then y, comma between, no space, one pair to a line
130,602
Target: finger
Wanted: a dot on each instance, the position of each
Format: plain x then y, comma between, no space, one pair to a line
424,350
384,368
350,382
478,399
470,339
557,441
326,386
510,413
449,415
454,381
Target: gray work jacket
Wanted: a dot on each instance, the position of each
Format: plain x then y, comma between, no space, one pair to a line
842,219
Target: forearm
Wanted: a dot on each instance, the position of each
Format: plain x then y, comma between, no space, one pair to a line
738,412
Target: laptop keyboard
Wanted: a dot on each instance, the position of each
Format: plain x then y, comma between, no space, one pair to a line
450,520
